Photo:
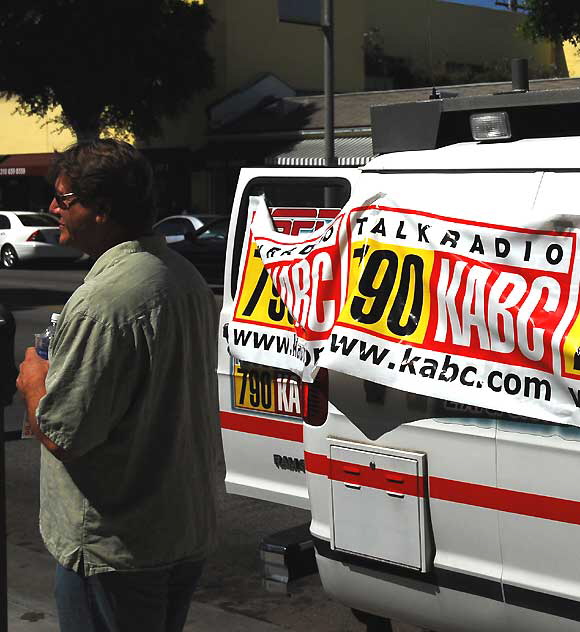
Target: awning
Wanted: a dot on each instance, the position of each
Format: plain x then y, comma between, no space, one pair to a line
26,165
354,151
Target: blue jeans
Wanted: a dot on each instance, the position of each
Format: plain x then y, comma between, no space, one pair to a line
140,601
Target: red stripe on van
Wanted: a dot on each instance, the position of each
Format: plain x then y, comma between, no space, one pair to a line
506,500
316,463
287,430
363,475
378,479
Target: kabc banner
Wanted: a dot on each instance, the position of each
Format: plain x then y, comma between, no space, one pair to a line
473,312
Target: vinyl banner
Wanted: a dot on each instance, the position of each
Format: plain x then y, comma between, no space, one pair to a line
293,287
472,312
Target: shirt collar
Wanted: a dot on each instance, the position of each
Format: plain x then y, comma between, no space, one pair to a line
154,244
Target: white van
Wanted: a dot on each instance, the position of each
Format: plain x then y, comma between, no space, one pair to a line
437,441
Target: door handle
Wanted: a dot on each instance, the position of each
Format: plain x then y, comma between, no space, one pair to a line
396,495
351,486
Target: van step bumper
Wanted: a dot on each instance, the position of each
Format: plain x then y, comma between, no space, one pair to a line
286,556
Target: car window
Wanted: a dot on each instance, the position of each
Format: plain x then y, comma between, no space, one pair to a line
219,230
37,219
175,226
4,222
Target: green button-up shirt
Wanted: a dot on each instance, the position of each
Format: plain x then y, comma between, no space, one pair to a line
131,392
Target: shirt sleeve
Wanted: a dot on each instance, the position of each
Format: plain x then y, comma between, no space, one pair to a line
90,384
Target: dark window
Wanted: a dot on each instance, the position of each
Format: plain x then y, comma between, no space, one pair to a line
300,192
288,192
37,219
216,230
175,226
4,222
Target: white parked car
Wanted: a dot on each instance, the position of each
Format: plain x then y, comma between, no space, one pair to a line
174,227
29,236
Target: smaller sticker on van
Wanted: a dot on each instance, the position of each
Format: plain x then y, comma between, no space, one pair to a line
298,221
266,390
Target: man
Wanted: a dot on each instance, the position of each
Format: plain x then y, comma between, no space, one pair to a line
125,408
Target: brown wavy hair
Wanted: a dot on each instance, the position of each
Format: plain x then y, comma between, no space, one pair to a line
110,177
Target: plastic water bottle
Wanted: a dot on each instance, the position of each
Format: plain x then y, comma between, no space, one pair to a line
41,344
42,341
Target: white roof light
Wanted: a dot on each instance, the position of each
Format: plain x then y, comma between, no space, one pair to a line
490,126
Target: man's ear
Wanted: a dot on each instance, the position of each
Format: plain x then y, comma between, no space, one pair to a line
101,217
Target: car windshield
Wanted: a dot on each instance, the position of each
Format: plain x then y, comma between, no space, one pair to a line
37,219
219,230
175,226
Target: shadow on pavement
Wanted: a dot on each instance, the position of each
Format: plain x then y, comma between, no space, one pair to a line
57,264
17,299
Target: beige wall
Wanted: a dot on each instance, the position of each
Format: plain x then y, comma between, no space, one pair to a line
253,41
21,134
432,32
247,40
572,56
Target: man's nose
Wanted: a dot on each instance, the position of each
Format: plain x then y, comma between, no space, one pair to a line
53,208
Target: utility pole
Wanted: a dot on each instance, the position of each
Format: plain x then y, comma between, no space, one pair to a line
328,32
318,13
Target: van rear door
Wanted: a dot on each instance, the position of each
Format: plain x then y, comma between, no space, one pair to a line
260,407
538,466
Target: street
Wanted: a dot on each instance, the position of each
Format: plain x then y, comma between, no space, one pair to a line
232,580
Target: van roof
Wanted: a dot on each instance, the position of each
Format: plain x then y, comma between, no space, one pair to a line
534,154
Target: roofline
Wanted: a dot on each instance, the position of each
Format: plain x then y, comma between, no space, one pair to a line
507,82
339,132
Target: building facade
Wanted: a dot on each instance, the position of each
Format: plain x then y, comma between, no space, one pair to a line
260,63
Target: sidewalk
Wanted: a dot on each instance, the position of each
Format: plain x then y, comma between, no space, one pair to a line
31,606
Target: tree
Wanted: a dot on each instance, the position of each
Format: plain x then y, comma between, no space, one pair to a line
556,20
119,64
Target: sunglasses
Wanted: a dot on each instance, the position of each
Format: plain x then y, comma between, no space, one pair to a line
64,200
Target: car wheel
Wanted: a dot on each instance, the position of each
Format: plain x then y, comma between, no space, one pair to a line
9,257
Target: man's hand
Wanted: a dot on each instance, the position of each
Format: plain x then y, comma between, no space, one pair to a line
32,376
31,383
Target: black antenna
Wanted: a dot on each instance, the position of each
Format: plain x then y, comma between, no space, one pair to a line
520,81
430,42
